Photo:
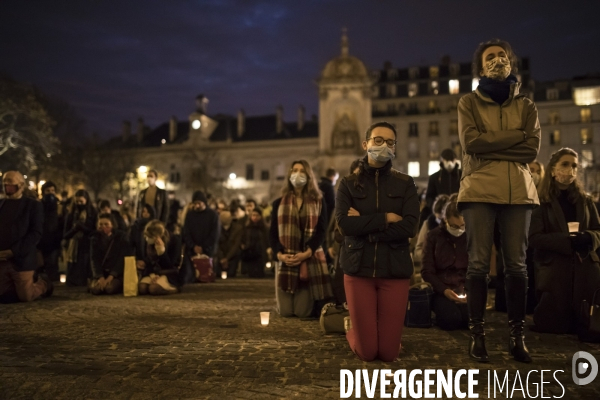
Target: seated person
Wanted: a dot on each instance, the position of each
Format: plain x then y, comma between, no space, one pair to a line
108,249
432,222
445,261
162,257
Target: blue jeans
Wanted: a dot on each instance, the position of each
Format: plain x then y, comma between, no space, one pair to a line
513,223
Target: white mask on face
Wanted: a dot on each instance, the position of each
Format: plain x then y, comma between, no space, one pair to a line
565,175
449,165
381,153
298,179
536,178
455,232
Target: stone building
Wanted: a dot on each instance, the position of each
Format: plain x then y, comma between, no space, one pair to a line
249,155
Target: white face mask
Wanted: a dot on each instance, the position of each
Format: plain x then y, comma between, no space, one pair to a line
536,178
381,153
449,165
298,179
455,232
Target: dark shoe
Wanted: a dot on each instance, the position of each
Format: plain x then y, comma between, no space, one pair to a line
516,303
476,288
49,285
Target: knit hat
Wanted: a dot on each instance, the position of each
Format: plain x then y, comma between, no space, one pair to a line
199,196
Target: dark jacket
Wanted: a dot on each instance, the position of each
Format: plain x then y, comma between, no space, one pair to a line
254,242
445,260
161,204
201,229
73,225
108,254
372,247
167,264
326,187
229,241
313,242
561,280
26,233
136,238
442,182
53,225
119,220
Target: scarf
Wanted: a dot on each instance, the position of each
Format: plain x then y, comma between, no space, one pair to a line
499,91
290,234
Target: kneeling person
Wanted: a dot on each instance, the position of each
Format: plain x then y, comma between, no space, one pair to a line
161,258
108,249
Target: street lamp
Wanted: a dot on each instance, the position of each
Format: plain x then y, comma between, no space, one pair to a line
142,169
232,176
196,124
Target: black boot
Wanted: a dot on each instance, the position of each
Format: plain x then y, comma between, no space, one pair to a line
516,303
476,287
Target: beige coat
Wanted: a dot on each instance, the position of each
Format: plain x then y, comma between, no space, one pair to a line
498,142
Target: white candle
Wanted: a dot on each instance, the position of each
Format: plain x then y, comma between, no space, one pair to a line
264,318
63,278
224,275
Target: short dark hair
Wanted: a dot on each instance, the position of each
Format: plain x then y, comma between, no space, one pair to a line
381,124
252,201
48,185
331,172
448,155
153,171
104,204
477,65
110,218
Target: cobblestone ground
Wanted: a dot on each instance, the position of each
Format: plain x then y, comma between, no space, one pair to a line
208,343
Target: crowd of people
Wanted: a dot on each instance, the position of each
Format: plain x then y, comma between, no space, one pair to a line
497,212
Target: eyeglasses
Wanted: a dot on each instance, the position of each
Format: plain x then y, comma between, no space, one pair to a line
456,226
378,140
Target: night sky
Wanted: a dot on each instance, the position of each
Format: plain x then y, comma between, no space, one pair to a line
116,60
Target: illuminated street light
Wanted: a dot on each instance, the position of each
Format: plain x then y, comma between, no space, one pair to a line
232,176
163,141
196,124
142,169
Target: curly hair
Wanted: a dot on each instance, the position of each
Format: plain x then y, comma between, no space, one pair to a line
156,228
477,64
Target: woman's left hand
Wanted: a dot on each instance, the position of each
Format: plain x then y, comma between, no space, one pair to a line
297,258
352,212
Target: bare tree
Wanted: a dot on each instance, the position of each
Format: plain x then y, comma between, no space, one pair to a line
209,175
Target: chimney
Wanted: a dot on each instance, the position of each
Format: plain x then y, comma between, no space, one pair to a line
279,113
172,129
140,130
301,114
201,104
126,131
241,122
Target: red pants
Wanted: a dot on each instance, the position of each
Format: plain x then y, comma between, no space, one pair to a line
377,309
19,285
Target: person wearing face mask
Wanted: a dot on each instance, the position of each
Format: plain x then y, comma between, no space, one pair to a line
162,256
432,222
298,226
445,262
563,277
80,224
21,220
155,197
200,233
108,249
499,132
377,211
49,246
228,252
445,181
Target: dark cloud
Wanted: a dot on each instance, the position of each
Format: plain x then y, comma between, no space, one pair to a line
118,60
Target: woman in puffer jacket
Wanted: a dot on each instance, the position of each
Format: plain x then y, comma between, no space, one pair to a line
500,134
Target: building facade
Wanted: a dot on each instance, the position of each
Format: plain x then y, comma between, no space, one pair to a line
249,156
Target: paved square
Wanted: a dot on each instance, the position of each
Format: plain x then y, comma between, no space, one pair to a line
207,342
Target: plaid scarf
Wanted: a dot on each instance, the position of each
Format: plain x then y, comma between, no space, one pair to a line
290,234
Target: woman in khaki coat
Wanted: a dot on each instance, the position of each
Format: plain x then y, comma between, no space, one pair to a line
500,134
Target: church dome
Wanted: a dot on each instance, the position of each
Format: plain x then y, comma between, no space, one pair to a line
345,66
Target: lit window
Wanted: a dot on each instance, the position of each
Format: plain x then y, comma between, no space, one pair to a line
555,137
552,94
453,86
434,87
391,90
432,107
587,158
412,89
434,166
586,115
434,72
586,96
586,136
414,169
475,83
554,118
